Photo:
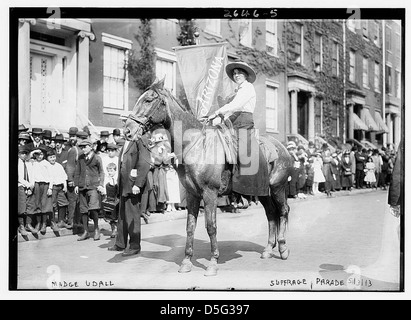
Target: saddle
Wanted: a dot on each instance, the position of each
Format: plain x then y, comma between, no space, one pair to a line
227,136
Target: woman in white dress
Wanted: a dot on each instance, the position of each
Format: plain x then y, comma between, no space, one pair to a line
318,172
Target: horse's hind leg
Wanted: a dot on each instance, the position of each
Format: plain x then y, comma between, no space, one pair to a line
272,232
210,212
281,201
193,206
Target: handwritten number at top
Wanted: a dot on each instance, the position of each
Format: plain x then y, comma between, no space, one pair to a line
245,13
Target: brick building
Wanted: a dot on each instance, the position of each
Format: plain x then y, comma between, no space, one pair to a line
318,80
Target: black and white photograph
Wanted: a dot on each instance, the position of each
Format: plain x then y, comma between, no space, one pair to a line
252,148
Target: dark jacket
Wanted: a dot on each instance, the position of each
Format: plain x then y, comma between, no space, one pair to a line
73,154
397,181
360,160
62,158
135,156
89,173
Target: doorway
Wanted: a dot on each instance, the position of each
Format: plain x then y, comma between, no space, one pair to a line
51,89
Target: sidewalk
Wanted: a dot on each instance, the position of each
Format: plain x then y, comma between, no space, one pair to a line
168,216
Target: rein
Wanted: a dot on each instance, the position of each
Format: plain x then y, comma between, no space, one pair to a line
148,124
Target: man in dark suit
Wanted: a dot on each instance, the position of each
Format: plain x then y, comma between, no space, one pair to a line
134,165
360,160
396,188
37,135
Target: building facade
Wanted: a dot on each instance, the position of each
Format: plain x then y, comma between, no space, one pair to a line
317,80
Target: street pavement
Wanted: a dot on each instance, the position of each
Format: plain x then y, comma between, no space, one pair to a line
336,244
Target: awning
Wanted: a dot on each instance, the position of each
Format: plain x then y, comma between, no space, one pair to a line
358,123
382,127
369,120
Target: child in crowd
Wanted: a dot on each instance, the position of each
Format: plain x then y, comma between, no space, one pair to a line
89,182
370,174
59,188
111,201
24,190
310,176
40,203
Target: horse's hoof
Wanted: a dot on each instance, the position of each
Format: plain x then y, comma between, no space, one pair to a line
266,255
211,271
284,254
185,267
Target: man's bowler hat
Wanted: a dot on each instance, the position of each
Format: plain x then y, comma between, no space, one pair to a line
37,131
73,131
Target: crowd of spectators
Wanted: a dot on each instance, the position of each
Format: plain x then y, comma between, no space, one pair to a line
319,170
49,174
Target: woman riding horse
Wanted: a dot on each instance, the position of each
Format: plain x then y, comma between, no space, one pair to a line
250,176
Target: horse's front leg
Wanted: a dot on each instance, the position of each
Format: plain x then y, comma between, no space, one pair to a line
210,208
193,206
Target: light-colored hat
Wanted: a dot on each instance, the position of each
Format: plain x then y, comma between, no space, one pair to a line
229,68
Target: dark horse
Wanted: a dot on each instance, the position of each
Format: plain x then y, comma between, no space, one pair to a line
203,174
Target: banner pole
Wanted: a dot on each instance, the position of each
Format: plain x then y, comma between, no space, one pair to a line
199,45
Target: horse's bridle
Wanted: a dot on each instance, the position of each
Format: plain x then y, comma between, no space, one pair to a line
147,123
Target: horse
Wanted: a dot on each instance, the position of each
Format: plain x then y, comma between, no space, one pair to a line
202,177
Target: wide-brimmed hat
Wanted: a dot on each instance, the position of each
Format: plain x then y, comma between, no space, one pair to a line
229,68
24,135
104,133
59,138
22,128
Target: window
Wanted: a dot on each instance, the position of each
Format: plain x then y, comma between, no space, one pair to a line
397,84
246,32
213,26
364,24
388,38
388,79
318,49
352,66
377,33
166,67
397,44
318,115
298,36
271,36
377,77
334,65
115,81
365,72
271,101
